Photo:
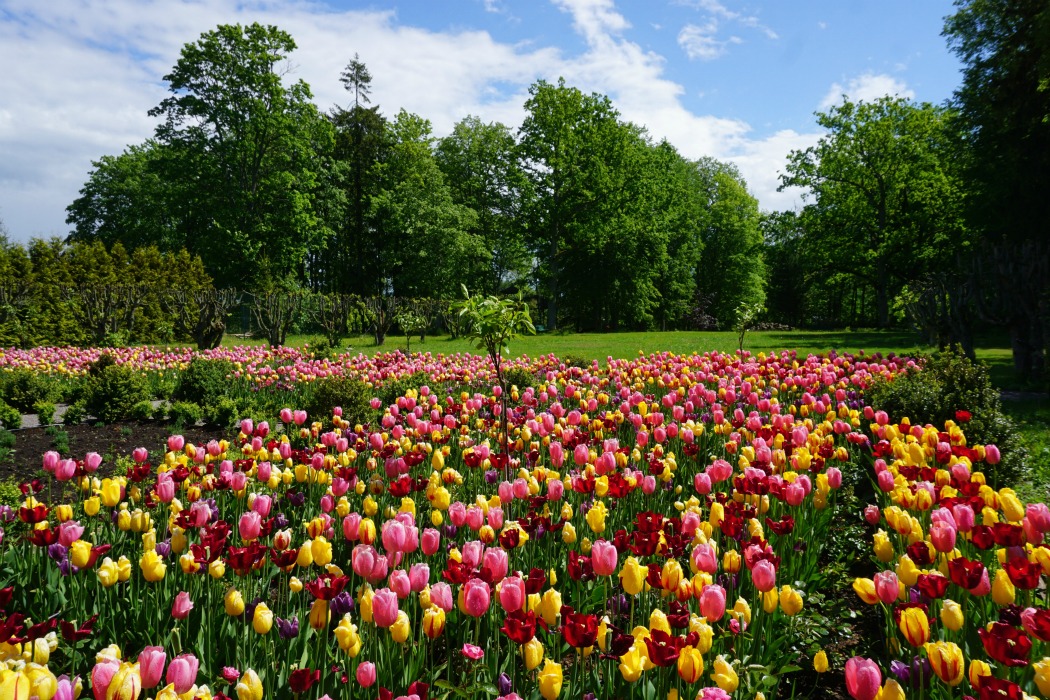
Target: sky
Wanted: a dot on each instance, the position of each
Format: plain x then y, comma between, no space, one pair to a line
738,80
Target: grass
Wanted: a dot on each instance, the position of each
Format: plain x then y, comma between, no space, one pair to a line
1032,418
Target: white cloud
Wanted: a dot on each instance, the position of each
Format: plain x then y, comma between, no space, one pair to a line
700,41
866,87
89,71
718,11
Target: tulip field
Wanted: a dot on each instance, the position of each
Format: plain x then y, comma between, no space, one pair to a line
654,527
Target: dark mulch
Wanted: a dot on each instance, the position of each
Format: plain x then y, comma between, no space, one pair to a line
110,441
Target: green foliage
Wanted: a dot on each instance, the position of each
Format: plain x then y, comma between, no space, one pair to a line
45,412
25,388
947,383
10,417
113,391
59,439
75,413
224,413
521,378
204,382
143,410
352,395
10,494
746,319
160,411
185,414
7,439
391,390
571,360
491,323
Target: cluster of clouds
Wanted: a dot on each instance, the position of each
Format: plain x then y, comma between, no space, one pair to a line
84,73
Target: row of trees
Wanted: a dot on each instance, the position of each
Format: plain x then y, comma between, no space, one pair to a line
609,228
59,293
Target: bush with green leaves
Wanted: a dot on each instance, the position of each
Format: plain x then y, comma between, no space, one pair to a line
204,382
143,410
352,395
10,494
226,412
950,386
520,377
114,391
185,414
160,411
45,412
75,413
24,389
10,417
391,389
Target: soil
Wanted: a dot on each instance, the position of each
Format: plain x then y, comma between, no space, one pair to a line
110,441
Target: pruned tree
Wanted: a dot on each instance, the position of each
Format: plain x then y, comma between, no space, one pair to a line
106,311
274,313
381,314
201,314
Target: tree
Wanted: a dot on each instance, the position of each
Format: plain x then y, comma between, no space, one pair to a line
491,323
423,244
731,271
361,141
1004,108
126,200
480,165
243,149
885,194
567,147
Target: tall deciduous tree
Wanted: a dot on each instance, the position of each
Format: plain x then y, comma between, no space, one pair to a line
731,270
480,164
1004,105
243,148
885,195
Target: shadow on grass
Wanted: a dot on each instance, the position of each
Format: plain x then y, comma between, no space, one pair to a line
851,341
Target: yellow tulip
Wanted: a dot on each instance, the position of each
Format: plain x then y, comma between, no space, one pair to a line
790,601
952,615
631,663
1042,676
347,637
233,602
92,505
724,675
550,680
107,573
690,664
153,566
820,662
80,553
596,517
433,622
249,687
915,626
892,691
532,651
632,576
946,658
320,615
550,606
978,669
262,619
1003,590
401,629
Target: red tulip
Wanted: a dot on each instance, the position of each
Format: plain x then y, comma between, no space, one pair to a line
1006,644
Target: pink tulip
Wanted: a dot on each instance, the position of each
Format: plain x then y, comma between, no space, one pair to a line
991,454
580,455
495,518
702,483
384,607
176,443
286,415
441,596
648,484
69,532
213,448
299,417
764,575
603,558
885,481
713,602
887,587
365,560
165,487
984,586
264,472
872,514
457,514
63,689
431,541
555,489
352,526
419,576
834,477
366,674
51,460
471,553
400,583
238,480
92,461
505,492
476,597
557,454
794,494
182,672
249,526
180,609
719,470
475,518
65,470
942,535
102,675
863,678
512,593
140,455
496,561
151,666
247,427
704,558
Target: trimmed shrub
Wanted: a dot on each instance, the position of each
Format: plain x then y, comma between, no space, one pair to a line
391,390
143,410
10,417
952,387
113,391
75,413
519,377
24,389
185,413
45,412
352,395
204,382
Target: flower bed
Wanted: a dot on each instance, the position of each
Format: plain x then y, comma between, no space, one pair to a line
656,530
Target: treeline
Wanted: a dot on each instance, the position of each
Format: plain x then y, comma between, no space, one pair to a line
915,214
602,226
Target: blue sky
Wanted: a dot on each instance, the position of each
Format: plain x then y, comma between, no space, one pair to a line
735,80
